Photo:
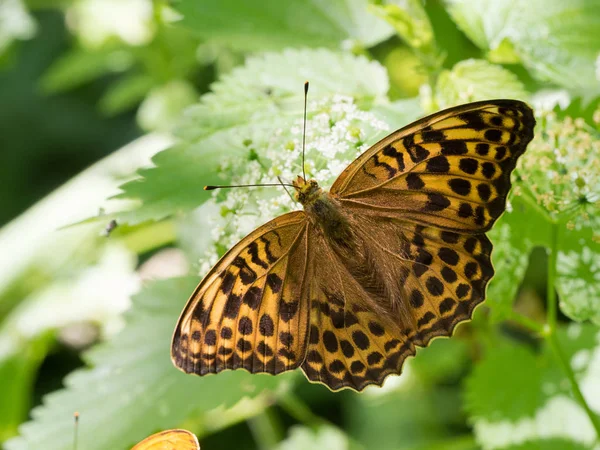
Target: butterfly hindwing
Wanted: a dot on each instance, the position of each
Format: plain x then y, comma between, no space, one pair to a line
249,311
367,318
451,169
350,344
445,278
169,440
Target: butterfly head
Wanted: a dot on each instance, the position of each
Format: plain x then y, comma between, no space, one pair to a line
307,191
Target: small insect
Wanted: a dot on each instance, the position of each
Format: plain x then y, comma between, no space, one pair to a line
392,256
109,228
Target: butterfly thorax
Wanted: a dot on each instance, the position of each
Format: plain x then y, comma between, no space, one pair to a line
324,211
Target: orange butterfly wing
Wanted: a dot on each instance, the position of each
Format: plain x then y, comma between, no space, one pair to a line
169,440
451,169
249,311
356,337
425,195
419,200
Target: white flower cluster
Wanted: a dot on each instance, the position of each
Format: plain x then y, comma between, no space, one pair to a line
336,133
561,171
15,23
97,21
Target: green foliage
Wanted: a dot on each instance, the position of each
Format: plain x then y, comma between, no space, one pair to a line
419,409
246,106
323,437
126,93
516,234
410,22
79,67
578,281
473,80
519,376
555,40
515,393
275,25
496,376
17,373
134,372
549,444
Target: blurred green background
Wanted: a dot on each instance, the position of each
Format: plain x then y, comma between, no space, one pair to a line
124,109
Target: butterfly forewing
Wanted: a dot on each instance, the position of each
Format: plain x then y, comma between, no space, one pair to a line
450,170
249,311
169,440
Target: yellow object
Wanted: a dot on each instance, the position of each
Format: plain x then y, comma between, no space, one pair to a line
169,440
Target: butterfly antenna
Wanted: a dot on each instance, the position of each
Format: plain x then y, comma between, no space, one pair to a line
286,189
211,187
304,130
76,419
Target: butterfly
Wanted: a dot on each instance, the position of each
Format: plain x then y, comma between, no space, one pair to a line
165,440
169,440
394,255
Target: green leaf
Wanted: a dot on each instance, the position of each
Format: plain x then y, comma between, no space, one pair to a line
404,415
475,79
249,104
125,93
549,444
505,369
275,24
578,280
556,40
515,395
410,21
163,106
132,389
515,234
440,362
18,374
78,67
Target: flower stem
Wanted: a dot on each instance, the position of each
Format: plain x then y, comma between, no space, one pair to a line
564,361
526,322
296,408
266,429
550,331
550,282
299,411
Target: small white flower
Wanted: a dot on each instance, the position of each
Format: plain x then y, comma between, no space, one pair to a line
96,21
15,23
335,135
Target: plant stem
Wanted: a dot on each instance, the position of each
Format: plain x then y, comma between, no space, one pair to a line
299,411
296,408
550,331
564,361
526,322
266,429
550,282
